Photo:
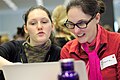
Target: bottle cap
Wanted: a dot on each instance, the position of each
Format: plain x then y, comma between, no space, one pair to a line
67,60
67,64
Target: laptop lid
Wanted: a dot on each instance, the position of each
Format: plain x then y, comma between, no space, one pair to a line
40,71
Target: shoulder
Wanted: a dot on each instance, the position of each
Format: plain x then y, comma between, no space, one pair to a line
111,39
71,43
70,46
54,50
12,43
54,53
55,47
112,36
11,46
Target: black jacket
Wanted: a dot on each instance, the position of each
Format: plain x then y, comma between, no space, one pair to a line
14,52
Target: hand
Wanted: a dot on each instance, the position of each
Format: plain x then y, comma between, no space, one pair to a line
3,62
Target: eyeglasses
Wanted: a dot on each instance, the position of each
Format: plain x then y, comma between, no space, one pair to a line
81,24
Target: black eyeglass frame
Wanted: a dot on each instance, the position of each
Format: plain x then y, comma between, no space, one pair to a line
77,23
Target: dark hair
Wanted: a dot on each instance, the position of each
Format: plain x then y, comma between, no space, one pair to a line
118,30
25,16
20,31
90,7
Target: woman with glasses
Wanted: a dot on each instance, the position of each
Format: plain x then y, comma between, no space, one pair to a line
97,47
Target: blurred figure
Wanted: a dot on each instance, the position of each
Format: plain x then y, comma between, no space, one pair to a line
107,27
0,39
20,35
4,38
62,34
118,30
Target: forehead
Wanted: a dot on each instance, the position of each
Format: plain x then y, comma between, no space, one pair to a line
76,13
37,13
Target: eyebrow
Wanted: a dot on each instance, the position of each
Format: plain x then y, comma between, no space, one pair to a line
82,20
43,18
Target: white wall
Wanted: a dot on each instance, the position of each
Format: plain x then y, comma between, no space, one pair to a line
0,24
9,21
116,14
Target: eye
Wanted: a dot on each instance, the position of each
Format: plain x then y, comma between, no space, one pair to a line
44,21
82,23
69,24
32,22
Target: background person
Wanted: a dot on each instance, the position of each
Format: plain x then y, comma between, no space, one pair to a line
4,38
97,47
118,30
107,27
20,34
62,34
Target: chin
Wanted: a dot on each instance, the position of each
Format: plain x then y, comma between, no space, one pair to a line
82,41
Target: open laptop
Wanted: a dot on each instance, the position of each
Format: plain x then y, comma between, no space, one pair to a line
40,71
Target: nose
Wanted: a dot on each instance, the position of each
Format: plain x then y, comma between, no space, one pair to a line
76,29
39,26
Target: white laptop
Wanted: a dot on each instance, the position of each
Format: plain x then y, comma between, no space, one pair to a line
40,71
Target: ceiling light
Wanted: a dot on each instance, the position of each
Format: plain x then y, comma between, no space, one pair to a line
66,2
39,2
11,4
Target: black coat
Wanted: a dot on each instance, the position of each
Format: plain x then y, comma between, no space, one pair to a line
14,52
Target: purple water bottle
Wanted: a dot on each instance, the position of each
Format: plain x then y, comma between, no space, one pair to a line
67,70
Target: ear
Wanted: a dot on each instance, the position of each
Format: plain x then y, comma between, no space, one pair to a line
97,18
25,29
53,27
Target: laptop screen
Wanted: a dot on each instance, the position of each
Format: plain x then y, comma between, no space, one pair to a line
40,71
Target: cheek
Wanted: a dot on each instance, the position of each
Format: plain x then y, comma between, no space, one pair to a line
90,32
31,31
72,30
48,30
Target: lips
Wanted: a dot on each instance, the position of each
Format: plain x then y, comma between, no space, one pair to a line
81,35
41,33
